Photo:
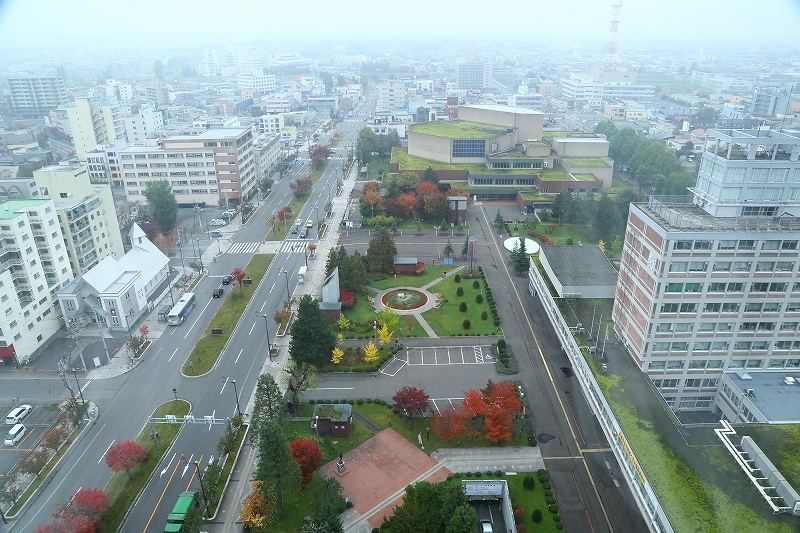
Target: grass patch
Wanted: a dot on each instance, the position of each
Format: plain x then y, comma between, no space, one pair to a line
362,313
530,500
587,162
447,320
458,129
123,492
207,350
404,280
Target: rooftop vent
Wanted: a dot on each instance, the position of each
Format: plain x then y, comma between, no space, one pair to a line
789,380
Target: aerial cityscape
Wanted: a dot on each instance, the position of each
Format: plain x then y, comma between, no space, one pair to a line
375,267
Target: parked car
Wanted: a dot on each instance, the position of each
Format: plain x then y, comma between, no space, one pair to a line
15,435
18,414
217,222
226,280
215,234
218,292
486,526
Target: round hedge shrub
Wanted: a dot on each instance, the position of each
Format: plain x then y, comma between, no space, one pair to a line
462,306
553,508
557,518
477,474
536,516
369,400
460,291
376,530
457,277
340,509
484,315
529,482
349,504
498,473
457,475
359,401
541,472
476,284
478,298
549,500
548,493
496,321
545,484
311,402
466,324
501,344
559,525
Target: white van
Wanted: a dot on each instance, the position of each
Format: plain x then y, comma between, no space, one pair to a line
15,435
16,415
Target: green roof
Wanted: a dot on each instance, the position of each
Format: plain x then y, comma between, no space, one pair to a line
533,196
549,134
586,177
514,155
11,209
555,174
409,162
459,129
587,162
536,143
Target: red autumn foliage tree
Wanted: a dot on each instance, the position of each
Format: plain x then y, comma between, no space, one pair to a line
496,404
144,331
124,456
79,515
53,438
307,455
301,186
448,424
408,201
284,213
411,401
238,274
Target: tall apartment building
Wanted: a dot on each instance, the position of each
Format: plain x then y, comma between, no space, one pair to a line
35,96
769,101
139,126
86,214
103,164
94,122
268,124
391,94
33,268
709,285
216,167
256,80
157,93
474,75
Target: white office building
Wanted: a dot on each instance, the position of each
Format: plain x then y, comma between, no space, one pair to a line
256,80
391,94
709,284
95,121
138,127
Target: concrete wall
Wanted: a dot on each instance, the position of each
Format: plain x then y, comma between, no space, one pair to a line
528,125
429,147
603,174
581,147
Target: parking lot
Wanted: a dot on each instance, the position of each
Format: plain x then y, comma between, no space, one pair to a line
439,356
36,424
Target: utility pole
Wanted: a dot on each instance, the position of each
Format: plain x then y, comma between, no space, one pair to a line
180,247
100,329
62,372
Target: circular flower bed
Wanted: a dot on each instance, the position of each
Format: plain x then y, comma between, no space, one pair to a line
404,299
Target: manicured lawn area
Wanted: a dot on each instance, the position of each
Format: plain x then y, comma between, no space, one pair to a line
530,500
121,491
362,313
558,235
447,320
405,280
207,350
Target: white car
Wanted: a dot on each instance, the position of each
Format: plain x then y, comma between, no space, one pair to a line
217,222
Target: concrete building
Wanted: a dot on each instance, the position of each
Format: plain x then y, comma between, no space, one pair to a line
256,80
140,126
593,89
36,96
122,288
215,167
710,283
474,76
103,164
93,122
268,124
34,268
391,94
86,214
768,102
267,153
157,93
530,100
324,106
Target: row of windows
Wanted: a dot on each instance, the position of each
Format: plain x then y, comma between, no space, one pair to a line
757,175
755,286
732,266
722,346
691,383
742,244
169,155
729,307
191,182
723,327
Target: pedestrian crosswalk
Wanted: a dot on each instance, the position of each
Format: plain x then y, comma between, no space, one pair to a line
290,245
243,248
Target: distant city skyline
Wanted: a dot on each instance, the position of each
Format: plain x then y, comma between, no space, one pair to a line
198,23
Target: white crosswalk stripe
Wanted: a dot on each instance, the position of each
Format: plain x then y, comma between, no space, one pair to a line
243,248
296,246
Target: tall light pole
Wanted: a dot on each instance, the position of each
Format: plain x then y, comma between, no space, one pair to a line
236,392
100,329
375,328
266,326
202,488
288,294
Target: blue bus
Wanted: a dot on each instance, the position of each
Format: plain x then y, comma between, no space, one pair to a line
181,310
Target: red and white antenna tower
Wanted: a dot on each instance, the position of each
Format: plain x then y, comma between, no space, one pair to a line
610,57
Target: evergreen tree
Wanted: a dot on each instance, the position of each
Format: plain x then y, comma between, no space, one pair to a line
498,220
462,520
276,468
465,248
448,249
520,261
606,219
430,175
381,251
332,262
559,209
268,406
162,202
312,338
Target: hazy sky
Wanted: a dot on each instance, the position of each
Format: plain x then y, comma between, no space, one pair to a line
195,22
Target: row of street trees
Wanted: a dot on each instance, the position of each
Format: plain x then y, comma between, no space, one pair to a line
607,216
369,144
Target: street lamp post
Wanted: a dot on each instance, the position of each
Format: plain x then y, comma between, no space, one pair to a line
80,392
266,325
375,328
202,488
175,392
288,294
236,392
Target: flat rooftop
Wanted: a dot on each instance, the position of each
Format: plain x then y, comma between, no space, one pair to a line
214,133
580,266
459,129
675,213
504,109
11,209
776,401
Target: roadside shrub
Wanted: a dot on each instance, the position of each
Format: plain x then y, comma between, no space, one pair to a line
458,475
457,277
466,324
536,516
519,512
496,321
541,472
559,525
477,474
349,504
476,284
478,298
359,401
545,484
531,440
340,509
548,493
557,518
488,473
501,344
484,315
522,528
467,474
376,530
460,291
529,482
462,306
311,402
369,400
553,508
549,500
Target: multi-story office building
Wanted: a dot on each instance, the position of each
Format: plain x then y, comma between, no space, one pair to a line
267,153
94,122
268,124
769,101
35,96
138,127
709,284
391,94
216,167
599,86
86,214
103,164
34,267
256,80
474,76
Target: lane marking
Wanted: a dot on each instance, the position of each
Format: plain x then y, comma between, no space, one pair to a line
85,385
105,452
173,355
240,354
196,321
155,507
191,478
251,329
170,462
188,462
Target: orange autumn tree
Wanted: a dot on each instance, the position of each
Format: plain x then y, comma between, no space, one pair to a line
307,455
496,404
448,424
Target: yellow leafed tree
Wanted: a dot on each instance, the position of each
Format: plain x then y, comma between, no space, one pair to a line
339,339
343,324
385,335
256,510
337,356
370,353
388,317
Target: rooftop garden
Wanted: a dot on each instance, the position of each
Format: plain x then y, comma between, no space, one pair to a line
536,143
587,162
514,155
459,129
410,162
550,134
555,174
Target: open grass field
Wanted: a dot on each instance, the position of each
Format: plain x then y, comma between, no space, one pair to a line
448,320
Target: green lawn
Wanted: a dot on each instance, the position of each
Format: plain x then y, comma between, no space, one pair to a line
530,500
430,274
363,314
447,320
123,492
207,350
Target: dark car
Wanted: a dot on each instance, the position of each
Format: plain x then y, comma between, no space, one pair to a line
226,280
218,292
304,232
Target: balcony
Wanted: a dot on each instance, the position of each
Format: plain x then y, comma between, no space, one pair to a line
14,261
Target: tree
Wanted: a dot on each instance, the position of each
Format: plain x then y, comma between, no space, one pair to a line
327,502
312,339
706,114
384,335
520,260
498,221
265,185
124,456
497,404
420,511
381,251
276,469
301,186
158,69
336,355
162,203
79,515
238,274
411,401
560,206
327,80
465,248
33,462
447,424
606,219
462,520
256,511
407,201
10,490
448,249
54,437
268,405
430,176
370,353
307,455
298,378
388,317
